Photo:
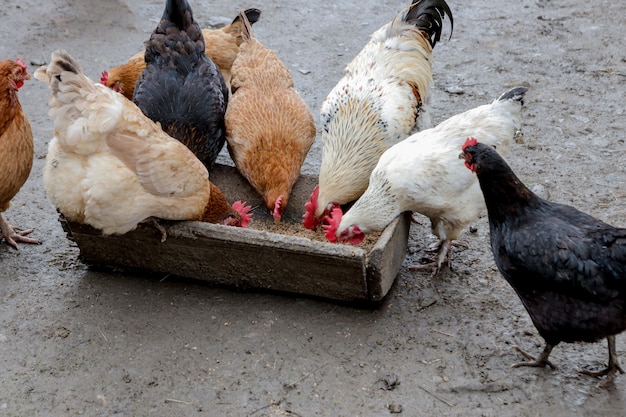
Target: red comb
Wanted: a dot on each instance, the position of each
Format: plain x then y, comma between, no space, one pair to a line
330,229
470,142
308,219
278,209
20,62
244,211
104,78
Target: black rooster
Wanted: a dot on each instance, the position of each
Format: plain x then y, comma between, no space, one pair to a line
568,268
181,88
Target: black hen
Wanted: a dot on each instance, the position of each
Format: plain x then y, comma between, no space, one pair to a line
568,268
181,87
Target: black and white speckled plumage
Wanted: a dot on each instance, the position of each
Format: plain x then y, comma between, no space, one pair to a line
378,101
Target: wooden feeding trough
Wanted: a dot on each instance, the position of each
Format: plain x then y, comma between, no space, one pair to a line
254,258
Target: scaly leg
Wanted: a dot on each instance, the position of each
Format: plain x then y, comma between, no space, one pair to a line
540,362
155,222
610,370
13,236
443,255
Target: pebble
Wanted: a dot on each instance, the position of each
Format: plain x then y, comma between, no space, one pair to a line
616,178
217,22
394,408
600,142
541,191
454,89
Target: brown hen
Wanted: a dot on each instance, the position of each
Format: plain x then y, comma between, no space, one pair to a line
16,145
269,128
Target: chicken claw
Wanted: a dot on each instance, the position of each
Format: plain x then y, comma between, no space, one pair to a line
158,226
13,235
540,362
443,256
610,370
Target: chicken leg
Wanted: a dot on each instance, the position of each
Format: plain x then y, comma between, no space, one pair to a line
540,362
443,255
13,236
610,370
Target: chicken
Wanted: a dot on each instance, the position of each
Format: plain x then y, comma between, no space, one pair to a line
16,145
567,267
181,87
112,167
124,77
375,105
221,45
269,128
422,174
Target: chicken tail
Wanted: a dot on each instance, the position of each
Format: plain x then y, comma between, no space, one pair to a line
61,62
514,94
76,102
236,27
428,15
179,13
246,28
177,35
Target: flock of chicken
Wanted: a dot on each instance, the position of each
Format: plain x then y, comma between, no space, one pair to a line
151,130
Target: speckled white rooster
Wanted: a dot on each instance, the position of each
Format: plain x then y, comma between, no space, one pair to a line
422,174
375,104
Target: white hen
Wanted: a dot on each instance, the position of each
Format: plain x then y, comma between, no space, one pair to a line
422,174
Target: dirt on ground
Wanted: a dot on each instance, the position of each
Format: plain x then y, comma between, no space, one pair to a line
77,341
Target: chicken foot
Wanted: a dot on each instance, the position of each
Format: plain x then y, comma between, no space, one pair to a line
540,362
13,235
610,370
158,226
444,252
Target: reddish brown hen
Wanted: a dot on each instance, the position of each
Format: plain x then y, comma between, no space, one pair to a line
269,127
16,145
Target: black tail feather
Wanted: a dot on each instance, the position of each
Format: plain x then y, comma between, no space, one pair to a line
63,61
516,94
428,15
253,15
179,13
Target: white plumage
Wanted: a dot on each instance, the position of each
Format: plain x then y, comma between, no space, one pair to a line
423,174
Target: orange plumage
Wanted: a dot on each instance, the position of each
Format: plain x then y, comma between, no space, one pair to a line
269,128
16,145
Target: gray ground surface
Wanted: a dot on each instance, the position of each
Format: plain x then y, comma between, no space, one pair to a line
79,342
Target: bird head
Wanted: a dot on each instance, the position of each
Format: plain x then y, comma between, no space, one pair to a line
277,212
18,74
241,217
116,85
468,153
310,219
351,234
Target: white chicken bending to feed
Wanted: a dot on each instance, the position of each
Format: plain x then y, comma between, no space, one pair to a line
375,105
112,167
422,174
